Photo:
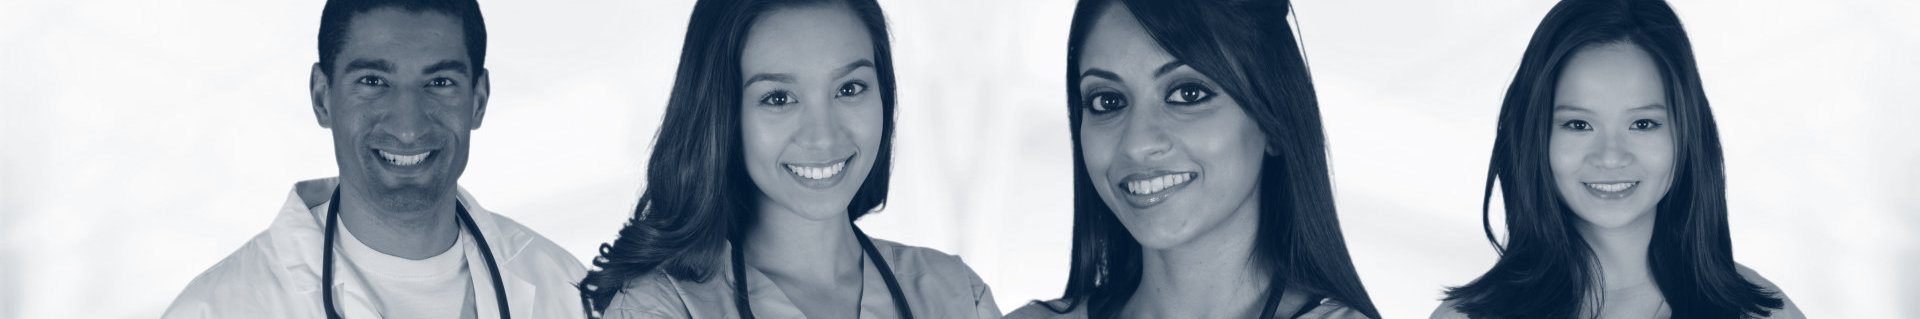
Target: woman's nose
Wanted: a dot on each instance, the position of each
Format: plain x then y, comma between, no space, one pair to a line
1611,151
1144,136
819,126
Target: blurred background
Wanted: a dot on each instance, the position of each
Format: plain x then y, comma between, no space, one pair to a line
143,141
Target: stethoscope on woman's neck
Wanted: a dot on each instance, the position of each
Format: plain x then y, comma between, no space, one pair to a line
459,213
880,264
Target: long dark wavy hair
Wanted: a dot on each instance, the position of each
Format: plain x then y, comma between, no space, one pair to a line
1546,270
698,195
1249,49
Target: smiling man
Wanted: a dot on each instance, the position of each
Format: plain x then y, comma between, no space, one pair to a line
401,85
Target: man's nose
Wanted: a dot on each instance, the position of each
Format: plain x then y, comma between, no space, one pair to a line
408,118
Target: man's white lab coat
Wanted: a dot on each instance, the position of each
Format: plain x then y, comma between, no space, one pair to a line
277,274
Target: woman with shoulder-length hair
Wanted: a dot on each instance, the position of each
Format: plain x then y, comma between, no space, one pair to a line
1611,172
1200,175
776,137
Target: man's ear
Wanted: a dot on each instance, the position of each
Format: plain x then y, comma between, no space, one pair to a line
318,85
482,87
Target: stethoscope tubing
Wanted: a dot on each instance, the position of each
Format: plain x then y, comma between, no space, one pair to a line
460,213
866,245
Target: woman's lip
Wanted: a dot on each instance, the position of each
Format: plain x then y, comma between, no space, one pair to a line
824,174
1611,189
1157,186
847,158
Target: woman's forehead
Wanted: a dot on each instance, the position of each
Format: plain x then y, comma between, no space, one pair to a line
800,40
1610,77
1119,44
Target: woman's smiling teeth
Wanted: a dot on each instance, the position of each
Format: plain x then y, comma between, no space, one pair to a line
817,172
1155,185
405,160
1611,187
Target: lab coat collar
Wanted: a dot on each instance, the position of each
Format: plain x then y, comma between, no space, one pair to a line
298,236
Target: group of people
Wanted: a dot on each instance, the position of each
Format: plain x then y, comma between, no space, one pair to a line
1200,179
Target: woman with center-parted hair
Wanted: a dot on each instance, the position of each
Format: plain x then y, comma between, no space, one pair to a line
1610,168
776,137
1200,182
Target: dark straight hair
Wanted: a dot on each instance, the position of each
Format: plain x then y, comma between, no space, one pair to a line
698,195
337,16
1249,49
1546,270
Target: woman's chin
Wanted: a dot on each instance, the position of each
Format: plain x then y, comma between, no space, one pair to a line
1161,236
1611,217
818,211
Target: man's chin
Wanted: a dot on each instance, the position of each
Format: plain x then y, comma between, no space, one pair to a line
408,199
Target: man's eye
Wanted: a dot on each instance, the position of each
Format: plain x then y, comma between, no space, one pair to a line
852,89
372,81
777,98
1106,102
1577,125
440,82
1189,94
1645,125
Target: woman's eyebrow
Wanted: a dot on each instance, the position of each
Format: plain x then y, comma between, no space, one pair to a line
1169,67
776,77
1570,108
1576,108
1100,73
848,69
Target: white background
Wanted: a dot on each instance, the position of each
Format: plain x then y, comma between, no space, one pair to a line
145,140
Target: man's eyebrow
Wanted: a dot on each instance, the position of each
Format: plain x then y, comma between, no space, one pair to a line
363,64
1100,73
1164,68
776,77
844,70
446,65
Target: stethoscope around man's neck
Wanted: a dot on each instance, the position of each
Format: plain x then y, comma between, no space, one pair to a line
460,213
879,264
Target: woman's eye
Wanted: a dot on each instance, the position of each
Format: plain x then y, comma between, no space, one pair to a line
1189,94
440,82
777,98
852,89
1106,102
1643,125
371,81
1577,125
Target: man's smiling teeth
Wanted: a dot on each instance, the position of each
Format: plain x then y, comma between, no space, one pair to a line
1157,184
405,160
817,172
1611,187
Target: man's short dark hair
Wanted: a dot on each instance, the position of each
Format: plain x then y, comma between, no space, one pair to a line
338,15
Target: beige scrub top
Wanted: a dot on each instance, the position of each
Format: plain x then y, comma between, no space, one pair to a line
936,285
